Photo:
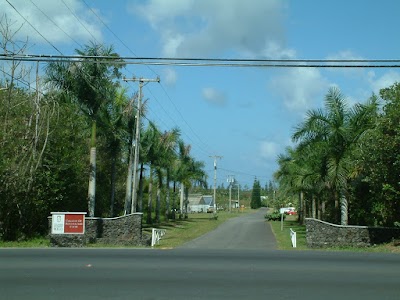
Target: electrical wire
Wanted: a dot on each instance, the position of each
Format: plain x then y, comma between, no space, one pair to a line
79,20
55,24
214,62
130,50
38,32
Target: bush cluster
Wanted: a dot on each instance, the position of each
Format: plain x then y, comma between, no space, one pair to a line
275,216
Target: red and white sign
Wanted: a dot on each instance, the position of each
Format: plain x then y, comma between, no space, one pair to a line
68,223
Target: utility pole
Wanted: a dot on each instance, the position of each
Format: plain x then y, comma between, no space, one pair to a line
137,137
230,180
238,195
215,182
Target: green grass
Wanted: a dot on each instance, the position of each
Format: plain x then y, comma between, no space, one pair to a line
283,236
41,242
179,232
284,242
182,231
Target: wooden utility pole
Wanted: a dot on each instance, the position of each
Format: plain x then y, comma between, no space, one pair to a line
230,180
215,182
137,137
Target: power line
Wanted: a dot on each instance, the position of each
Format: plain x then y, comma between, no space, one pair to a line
214,62
169,116
109,29
79,20
187,124
38,32
164,90
55,24
243,173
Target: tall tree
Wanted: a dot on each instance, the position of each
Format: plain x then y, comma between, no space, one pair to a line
380,156
336,130
91,83
150,145
188,171
167,155
116,119
256,195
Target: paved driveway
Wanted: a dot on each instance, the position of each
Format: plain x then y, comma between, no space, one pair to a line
249,232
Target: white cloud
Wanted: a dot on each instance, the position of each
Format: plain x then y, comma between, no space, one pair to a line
384,81
299,88
209,27
170,76
59,14
345,54
269,150
369,80
214,96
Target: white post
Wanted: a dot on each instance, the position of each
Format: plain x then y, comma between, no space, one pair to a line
153,237
293,237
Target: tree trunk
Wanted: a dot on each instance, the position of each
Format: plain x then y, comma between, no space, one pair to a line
181,200
167,199
337,209
344,219
303,208
186,202
150,201
158,204
158,199
141,185
128,191
319,212
314,207
92,172
113,176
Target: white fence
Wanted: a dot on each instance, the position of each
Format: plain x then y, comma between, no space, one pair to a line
156,235
293,237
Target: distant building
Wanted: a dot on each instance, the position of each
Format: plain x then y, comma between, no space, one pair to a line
200,203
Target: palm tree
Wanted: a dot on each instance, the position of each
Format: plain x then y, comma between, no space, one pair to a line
160,151
301,173
336,132
188,171
130,130
167,155
90,83
150,144
116,119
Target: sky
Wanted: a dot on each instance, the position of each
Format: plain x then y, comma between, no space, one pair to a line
244,115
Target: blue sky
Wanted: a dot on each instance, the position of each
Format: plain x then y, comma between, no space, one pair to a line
245,115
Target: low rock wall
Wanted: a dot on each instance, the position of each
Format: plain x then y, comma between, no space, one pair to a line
321,234
124,231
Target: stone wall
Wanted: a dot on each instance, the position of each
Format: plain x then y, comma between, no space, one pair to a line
124,231
322,234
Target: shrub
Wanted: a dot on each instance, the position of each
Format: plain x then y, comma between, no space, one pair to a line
275,216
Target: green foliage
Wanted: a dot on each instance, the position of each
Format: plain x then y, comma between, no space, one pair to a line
380,159
256,195
274,216
322,167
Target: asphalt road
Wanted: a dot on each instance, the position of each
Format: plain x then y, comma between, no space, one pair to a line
196,274
247,232
235,261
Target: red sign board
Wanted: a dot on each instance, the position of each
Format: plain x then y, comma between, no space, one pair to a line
68,223
74,223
